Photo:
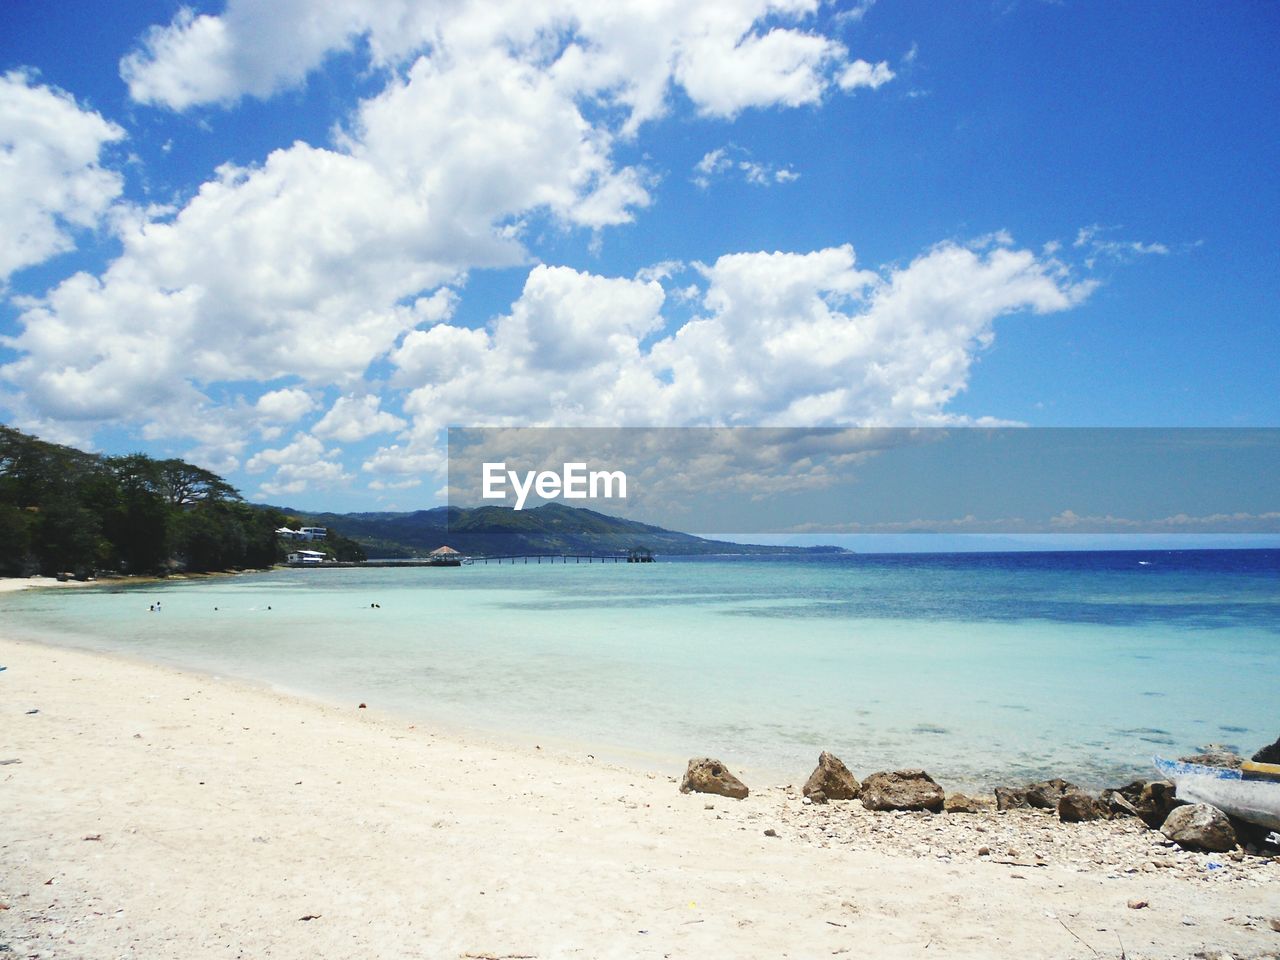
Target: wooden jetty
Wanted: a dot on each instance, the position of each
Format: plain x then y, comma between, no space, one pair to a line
632,556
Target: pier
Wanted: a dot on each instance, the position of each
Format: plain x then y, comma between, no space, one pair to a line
633,556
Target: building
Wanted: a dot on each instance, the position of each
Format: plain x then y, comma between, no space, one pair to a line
313,533
306,556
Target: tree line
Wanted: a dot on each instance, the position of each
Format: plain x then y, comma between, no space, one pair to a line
64,510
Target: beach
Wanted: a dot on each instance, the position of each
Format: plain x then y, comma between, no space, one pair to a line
159,813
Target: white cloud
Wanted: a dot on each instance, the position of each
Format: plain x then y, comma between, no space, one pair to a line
299,466
51,181
629,51
726,75
783,339
285,406
300,267
185,63
860,73
731,160
1096,246
355,418
855,11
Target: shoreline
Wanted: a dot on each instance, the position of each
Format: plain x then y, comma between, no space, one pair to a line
160,812
664,758
17,584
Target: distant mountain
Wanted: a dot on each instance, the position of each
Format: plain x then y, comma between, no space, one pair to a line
549,529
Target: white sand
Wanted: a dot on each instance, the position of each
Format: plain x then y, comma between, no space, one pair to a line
13,584
160,814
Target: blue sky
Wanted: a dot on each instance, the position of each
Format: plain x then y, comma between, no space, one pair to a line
294,242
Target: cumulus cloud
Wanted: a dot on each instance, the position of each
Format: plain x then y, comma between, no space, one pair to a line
299,466
629,50
860,73
303,266
284,406
51,179
355,418
780,339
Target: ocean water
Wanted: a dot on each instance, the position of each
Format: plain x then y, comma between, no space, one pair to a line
981,668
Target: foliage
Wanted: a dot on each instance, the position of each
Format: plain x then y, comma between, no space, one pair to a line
62,509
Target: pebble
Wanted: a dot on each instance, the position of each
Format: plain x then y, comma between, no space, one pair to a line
1120,848
1137,904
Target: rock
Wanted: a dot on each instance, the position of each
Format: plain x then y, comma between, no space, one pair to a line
1215,755
1011,798
902,790
1117,803
1268,754
1137,904
1199,826
1076,806
1156,802
705,775
771,832
963,803
984,851
816,797
833,779
1046,794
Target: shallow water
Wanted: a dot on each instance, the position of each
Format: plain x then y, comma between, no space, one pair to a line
982,668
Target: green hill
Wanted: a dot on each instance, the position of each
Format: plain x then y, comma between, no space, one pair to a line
549,529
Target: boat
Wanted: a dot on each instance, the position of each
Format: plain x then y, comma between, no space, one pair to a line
1255,801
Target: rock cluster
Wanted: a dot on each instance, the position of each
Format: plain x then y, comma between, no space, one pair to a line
1192,827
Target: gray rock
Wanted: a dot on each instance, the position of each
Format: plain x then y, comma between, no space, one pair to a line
832,779
1076,806
902,790
1198,826
705,775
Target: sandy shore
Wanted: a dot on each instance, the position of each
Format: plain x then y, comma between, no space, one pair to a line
152,813
14,584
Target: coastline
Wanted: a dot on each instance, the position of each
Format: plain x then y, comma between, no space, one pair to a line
16,584
158,812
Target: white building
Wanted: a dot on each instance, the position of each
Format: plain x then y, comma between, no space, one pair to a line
313,533
306,556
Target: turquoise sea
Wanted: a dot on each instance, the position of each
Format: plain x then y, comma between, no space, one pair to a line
982,668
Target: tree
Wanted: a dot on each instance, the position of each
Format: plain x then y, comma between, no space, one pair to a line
15,541
182,483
